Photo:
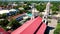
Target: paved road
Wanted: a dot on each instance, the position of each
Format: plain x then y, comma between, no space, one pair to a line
52,25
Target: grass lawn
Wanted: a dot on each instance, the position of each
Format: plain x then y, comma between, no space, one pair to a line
57,31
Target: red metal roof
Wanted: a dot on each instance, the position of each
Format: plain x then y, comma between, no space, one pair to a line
3,31
42,29
29,27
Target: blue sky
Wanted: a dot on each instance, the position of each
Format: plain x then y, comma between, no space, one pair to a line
30,0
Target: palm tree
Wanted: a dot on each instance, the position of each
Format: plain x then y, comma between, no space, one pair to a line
40,7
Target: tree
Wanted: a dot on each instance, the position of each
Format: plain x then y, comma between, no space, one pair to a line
14,24
55,8
4,15
4,23
26,7
40,7
0,16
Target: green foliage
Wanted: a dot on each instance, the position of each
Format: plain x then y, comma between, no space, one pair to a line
4,15
28,3
40,7
55,8
12,22
57,31
41,15
49,17
4,23
28,12
58,20
3,3
0,16
54,12
21,11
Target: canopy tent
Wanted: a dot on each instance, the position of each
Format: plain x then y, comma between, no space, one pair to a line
13,10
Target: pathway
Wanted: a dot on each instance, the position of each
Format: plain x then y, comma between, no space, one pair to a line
52,25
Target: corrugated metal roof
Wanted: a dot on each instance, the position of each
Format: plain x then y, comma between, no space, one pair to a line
2,31
30,27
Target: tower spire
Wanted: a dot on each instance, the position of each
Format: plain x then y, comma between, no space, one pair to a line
33,10
47,11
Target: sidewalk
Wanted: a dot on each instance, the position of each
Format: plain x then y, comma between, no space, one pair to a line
53,24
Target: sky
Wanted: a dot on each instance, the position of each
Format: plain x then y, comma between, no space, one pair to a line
29,0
